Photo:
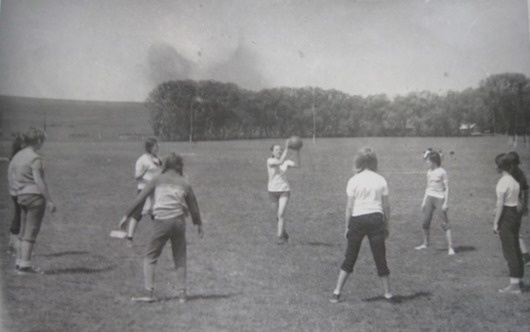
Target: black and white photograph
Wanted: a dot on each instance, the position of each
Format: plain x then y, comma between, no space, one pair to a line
264,165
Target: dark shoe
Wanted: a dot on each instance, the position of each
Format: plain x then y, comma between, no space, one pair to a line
335,298
392,300
30,270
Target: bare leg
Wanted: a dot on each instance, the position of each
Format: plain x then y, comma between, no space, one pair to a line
282,205
385,282
343,276
131,228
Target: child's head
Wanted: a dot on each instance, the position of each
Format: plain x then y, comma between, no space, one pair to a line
365,159
17,145
276,150
435,158
514,157
503,162
151,145
33,137
175,162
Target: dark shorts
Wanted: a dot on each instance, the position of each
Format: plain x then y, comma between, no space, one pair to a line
275,195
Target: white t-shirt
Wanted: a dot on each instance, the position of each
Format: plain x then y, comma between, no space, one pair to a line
277,179
436,182
509,189
151,165
367,188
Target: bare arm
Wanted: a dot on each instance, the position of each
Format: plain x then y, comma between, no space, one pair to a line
498,211
38,175
348,213
193,207
386,213
446,194
297,161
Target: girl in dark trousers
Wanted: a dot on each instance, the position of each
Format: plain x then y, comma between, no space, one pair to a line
367,214
520,177
507,222
173,199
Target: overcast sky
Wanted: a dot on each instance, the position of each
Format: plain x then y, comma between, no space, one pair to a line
120,49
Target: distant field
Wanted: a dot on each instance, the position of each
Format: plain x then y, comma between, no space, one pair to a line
69,120
239,279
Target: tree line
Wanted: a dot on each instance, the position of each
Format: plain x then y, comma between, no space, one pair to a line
211,110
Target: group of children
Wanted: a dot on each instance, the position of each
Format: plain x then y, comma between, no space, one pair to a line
368,211
165,194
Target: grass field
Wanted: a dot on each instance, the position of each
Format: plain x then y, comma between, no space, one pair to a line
238,278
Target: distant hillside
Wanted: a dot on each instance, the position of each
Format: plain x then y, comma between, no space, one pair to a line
74,120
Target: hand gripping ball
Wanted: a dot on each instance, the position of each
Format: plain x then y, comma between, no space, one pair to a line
295,143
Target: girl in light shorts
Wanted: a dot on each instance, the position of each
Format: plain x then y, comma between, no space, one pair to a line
435,199
278,186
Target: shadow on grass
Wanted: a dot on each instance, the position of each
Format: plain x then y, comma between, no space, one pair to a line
398,298
460,249
197,297
79,270
319,244
64,253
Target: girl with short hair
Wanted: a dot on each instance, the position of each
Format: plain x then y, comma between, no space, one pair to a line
507,222
146,168
435,199
173,200
278,186
367,214
26,175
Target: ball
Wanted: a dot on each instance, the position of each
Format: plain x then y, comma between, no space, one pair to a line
295,143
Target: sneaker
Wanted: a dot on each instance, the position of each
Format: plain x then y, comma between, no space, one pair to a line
183,298
512,289
335,298
147,296
29,270
451,252
421,247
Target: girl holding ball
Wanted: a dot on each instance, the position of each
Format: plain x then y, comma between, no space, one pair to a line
278,186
